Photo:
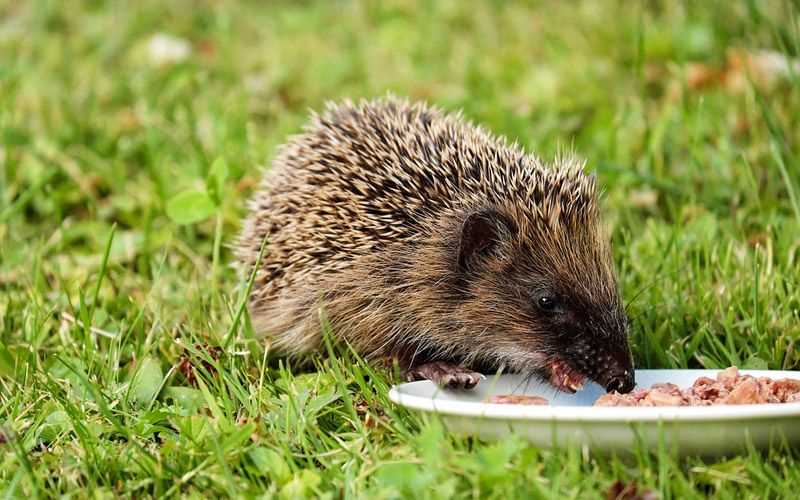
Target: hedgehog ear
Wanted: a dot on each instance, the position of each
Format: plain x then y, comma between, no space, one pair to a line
481,233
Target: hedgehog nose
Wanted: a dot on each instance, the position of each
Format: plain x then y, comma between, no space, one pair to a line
622,383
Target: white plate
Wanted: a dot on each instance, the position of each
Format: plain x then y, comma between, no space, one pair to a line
571,418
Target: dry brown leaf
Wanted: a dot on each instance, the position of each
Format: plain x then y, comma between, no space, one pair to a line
702,76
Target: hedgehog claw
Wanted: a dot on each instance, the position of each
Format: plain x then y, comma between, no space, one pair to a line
445,375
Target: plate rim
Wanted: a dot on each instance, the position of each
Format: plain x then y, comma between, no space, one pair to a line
605,413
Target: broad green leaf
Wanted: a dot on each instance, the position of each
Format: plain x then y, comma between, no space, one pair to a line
755,363
194,427
186,398
189,207
73,371
7,362
301,485
54,425
217,176
239,435
146,382
269,463
406,478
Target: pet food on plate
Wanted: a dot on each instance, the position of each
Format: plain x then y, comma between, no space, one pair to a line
729,388
513,399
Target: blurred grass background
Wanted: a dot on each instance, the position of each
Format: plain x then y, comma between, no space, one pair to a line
112,377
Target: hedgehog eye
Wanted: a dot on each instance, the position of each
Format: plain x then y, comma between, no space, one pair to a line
547,303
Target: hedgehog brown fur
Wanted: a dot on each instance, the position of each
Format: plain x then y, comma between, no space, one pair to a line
424,238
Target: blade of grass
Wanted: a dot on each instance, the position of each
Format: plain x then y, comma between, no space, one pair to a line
245,297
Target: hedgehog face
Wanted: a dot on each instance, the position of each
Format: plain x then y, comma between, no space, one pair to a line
547,299
584,333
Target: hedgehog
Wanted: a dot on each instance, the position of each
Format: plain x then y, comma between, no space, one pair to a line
422,240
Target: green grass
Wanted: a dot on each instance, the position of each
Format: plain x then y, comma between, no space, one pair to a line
113,318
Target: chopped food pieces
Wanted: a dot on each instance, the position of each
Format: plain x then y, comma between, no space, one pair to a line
511,399
729,388
565,377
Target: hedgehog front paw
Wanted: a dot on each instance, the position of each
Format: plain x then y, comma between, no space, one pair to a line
445,375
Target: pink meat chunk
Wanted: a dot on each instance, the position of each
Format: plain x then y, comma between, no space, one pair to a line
513,399
730,387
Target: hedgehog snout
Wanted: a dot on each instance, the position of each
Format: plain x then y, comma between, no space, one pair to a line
622,383
611,367
616,372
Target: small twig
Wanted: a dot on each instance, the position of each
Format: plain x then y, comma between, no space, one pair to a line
97,331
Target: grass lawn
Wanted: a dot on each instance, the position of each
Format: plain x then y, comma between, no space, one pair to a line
131,133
